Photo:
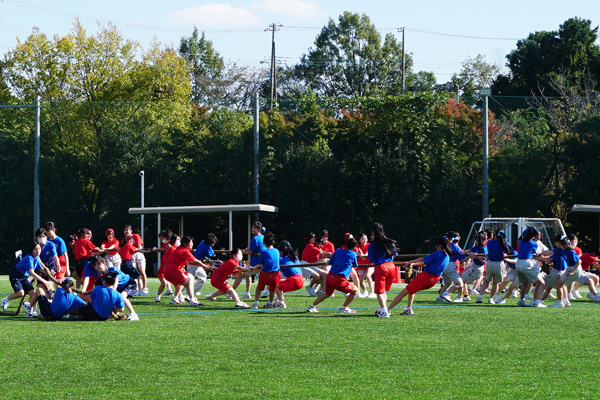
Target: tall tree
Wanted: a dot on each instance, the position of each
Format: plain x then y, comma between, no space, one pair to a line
349,59
476,73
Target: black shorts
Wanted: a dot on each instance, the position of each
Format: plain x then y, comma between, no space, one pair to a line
20,283
46,309
80,265
127,267
89,314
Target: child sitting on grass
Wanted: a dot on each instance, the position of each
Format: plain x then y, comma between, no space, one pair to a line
105,300
64,302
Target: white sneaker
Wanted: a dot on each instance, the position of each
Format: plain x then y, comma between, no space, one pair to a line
521,303
466,298
576,294
515,293
446,297
502,301
157,299
311,291
551,296
146,291
269,305
254,305
566,302
27,307
227,296
241,304
491,300
332,294
383,313
264,294
479,299
132,317
407,311
346,294
372,296
246,296
571,297
4,304
280,304
312,309
34,312
360,295
142,293
346,310
558,303
175,301
194,302
590,296
536,303
457,299
209,297
168,292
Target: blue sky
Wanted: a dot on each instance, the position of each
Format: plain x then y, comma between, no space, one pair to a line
439,34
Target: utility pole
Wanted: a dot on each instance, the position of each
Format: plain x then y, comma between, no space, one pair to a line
273,27
403,61
485,184
256,152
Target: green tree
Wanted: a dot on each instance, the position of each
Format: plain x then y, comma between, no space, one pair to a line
349,59
476,73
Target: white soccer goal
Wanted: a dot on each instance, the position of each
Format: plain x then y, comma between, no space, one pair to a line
514,227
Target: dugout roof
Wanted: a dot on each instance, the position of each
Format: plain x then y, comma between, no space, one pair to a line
211,209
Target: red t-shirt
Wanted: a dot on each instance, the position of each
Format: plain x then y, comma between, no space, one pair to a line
127,251
578,251
365,250
329,247
587,260
108,243
311,253
137,240
167,254
180,257
83,248
226,268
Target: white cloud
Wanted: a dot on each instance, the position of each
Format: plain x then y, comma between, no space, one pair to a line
291,8
218,15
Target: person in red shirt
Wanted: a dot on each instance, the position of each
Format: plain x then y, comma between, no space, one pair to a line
219,278
573,293
313,253
138,260
327,246
174,242
176,274
111,245
83,249
588,276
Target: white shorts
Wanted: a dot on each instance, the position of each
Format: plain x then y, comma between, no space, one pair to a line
450,274
308,271
139,261
528,270
583,278
114,259
495,271
511,274
551,278
472,273
364,272
570,279
199,275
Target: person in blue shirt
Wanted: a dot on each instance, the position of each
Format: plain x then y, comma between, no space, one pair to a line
451,275
294,280
64,302
202,252
268,264
104,300
48,258
477,257
254,249
495,270
528,269
342,261
434,266
30,265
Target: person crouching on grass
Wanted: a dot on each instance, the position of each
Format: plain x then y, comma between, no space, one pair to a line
19,280
104,300
435,263
64,302
342,261
269,266
219,278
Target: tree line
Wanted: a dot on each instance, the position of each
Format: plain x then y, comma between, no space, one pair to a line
343,147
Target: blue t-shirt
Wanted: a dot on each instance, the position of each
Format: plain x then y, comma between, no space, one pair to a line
48,253
495,252
571,257
527,250
559,263
436,262
256,246
106,299
287,272
342,262
64,302
61,246
203,251
89,271
456,253
477,250
378,256
27,263
122,277
269,258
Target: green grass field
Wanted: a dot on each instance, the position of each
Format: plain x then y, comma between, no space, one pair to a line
444,351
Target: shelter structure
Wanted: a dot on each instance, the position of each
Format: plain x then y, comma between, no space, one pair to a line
181,211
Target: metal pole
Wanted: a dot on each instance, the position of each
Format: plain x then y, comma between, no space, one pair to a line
272,66
142,201
403,63
256,149
485,187
159,228
36,179
230,230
